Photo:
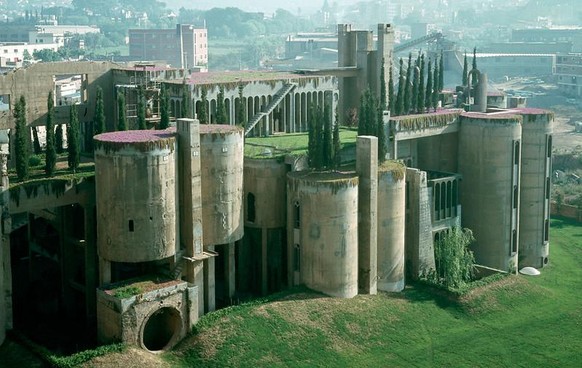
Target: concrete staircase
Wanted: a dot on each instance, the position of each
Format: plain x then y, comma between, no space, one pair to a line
277,98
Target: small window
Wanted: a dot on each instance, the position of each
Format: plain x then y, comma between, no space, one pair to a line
296,257
514,241
131,226
516,154
251,212
515,196
547,230
549,154
297,215
548,184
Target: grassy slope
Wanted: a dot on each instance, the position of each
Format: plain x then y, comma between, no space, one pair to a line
521,321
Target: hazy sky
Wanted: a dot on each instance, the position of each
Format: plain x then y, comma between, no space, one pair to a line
307,6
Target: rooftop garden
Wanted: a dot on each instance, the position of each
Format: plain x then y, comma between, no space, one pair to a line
278,146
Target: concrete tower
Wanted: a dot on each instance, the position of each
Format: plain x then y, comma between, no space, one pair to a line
489,161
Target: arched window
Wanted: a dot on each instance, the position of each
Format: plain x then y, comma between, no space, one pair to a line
296,257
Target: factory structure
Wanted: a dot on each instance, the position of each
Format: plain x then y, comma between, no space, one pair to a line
176,223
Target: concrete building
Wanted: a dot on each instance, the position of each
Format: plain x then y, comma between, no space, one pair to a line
184,47
568,73
176,223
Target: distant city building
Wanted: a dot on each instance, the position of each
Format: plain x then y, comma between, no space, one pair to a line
183,47
555,34
569,74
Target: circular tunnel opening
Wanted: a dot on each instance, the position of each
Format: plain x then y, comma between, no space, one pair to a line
162,329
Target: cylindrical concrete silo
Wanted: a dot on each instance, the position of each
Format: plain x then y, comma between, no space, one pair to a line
323,231
221,161
264,182
3,308
489,154
391,221
135,174
534,207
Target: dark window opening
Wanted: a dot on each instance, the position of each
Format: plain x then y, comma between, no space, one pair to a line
546,230
547,188
296,258
251,211
549,154
297,216
514,241
516,154
131,226
515,196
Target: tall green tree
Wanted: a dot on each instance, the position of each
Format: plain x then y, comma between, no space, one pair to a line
441,74
185,107
50,152
241,111
383,95
203,110
59,138
420,97
221,117
429,88
35,141
164,108
454,261
391,94
474,58
313,140
73,141
99,126
399,108
465,71
336,145
436,92
381,134
327,144
415,85
22,134
141,108
408,87
121,115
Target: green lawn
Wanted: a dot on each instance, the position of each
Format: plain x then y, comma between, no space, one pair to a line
519,321
293,144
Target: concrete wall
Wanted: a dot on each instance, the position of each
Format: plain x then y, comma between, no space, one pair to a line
438,153
221,158
36,81
534,205
322,228
391,225
136,195
489,190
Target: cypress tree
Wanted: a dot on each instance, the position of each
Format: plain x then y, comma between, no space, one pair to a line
221,117
465,71
73,139
141,108
420,98
429,89
185,107
336,145
164,111
383,97
22,149
474,58
408,87
121,116
415,84
99,126
241,111
327,144
59,138
319,148
35,141
312,141
391,95
441,74
398,109
203,111
50,152
436,91
381,134
362,115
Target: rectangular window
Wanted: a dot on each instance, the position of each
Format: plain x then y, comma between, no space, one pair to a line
296,258
4,102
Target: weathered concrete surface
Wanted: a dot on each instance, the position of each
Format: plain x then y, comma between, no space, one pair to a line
490,172
221,157
136,223
367,170
391,225
419,242
125,319
35,196
190,201
264,182
534,188
322,225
